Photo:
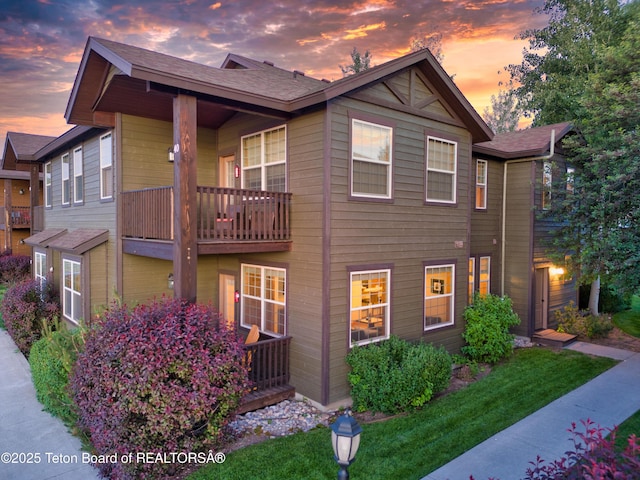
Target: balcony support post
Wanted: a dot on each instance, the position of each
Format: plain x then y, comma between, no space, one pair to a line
185,247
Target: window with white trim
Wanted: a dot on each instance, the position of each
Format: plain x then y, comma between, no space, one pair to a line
264,301
264,160
106,166
472,279
369,306
441,170
439,281
78,181
47,184
484,274
66,187
481,184
40,268
371,159
71,290
571,177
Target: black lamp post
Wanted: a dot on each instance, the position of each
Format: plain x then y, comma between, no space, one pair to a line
345,439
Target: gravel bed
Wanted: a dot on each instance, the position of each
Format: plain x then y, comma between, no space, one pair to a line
284,418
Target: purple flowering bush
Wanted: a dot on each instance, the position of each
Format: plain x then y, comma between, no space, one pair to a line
25,309
14,268
163,378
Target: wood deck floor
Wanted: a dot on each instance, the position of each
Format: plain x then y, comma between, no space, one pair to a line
553,338
263,398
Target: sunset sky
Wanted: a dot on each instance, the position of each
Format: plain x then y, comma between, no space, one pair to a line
41,41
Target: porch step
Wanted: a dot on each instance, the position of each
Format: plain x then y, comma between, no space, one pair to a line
263,398
552,338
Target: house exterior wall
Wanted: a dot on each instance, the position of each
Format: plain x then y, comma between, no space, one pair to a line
486,232
401,234
518,239
91,213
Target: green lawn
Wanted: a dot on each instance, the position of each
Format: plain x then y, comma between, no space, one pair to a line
411,446
630,426
629,320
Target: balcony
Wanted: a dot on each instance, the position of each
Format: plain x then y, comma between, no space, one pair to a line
19,217
268,362
229,220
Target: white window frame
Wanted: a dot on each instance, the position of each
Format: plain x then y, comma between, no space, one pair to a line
434,289
106,167
472,278
571,177
481,184
262,298
40,268
74,291
359,126
78,179
265,162
360,313
66,186
453,173
48,193
487,280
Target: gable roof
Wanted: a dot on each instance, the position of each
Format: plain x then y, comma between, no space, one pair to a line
109,71
21,147
524,143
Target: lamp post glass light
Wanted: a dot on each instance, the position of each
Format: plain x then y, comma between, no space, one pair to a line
345,439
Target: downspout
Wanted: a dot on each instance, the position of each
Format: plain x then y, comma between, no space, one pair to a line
504,202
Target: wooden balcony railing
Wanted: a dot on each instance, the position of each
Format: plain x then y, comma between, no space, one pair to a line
268,362
148,213
19,217
224,214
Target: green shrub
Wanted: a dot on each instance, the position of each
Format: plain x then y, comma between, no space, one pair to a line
487,335
571,320
51,360
394,375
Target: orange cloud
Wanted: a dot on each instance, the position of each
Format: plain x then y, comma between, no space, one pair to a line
362,30
215,6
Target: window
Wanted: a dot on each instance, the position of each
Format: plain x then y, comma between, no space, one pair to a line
264,298
78,183
264,159
481,184
369,309
441,170
484,282
472,279
370,160
439,295
571,176
106,167
47,184
72,296
40,268
546,185
66,188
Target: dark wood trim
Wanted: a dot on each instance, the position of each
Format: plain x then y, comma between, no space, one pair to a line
216,248
117,162
325,335
162,249
185,259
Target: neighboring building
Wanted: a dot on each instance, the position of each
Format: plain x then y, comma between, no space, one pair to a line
524,164
327,214
19,170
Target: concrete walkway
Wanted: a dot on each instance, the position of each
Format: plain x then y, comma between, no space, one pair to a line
608,400
33,444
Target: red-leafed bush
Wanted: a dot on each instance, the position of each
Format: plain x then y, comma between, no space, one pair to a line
594,457
24,308
162,378
14,268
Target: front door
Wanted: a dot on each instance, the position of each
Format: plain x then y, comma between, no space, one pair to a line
227,171
542,298
227,298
